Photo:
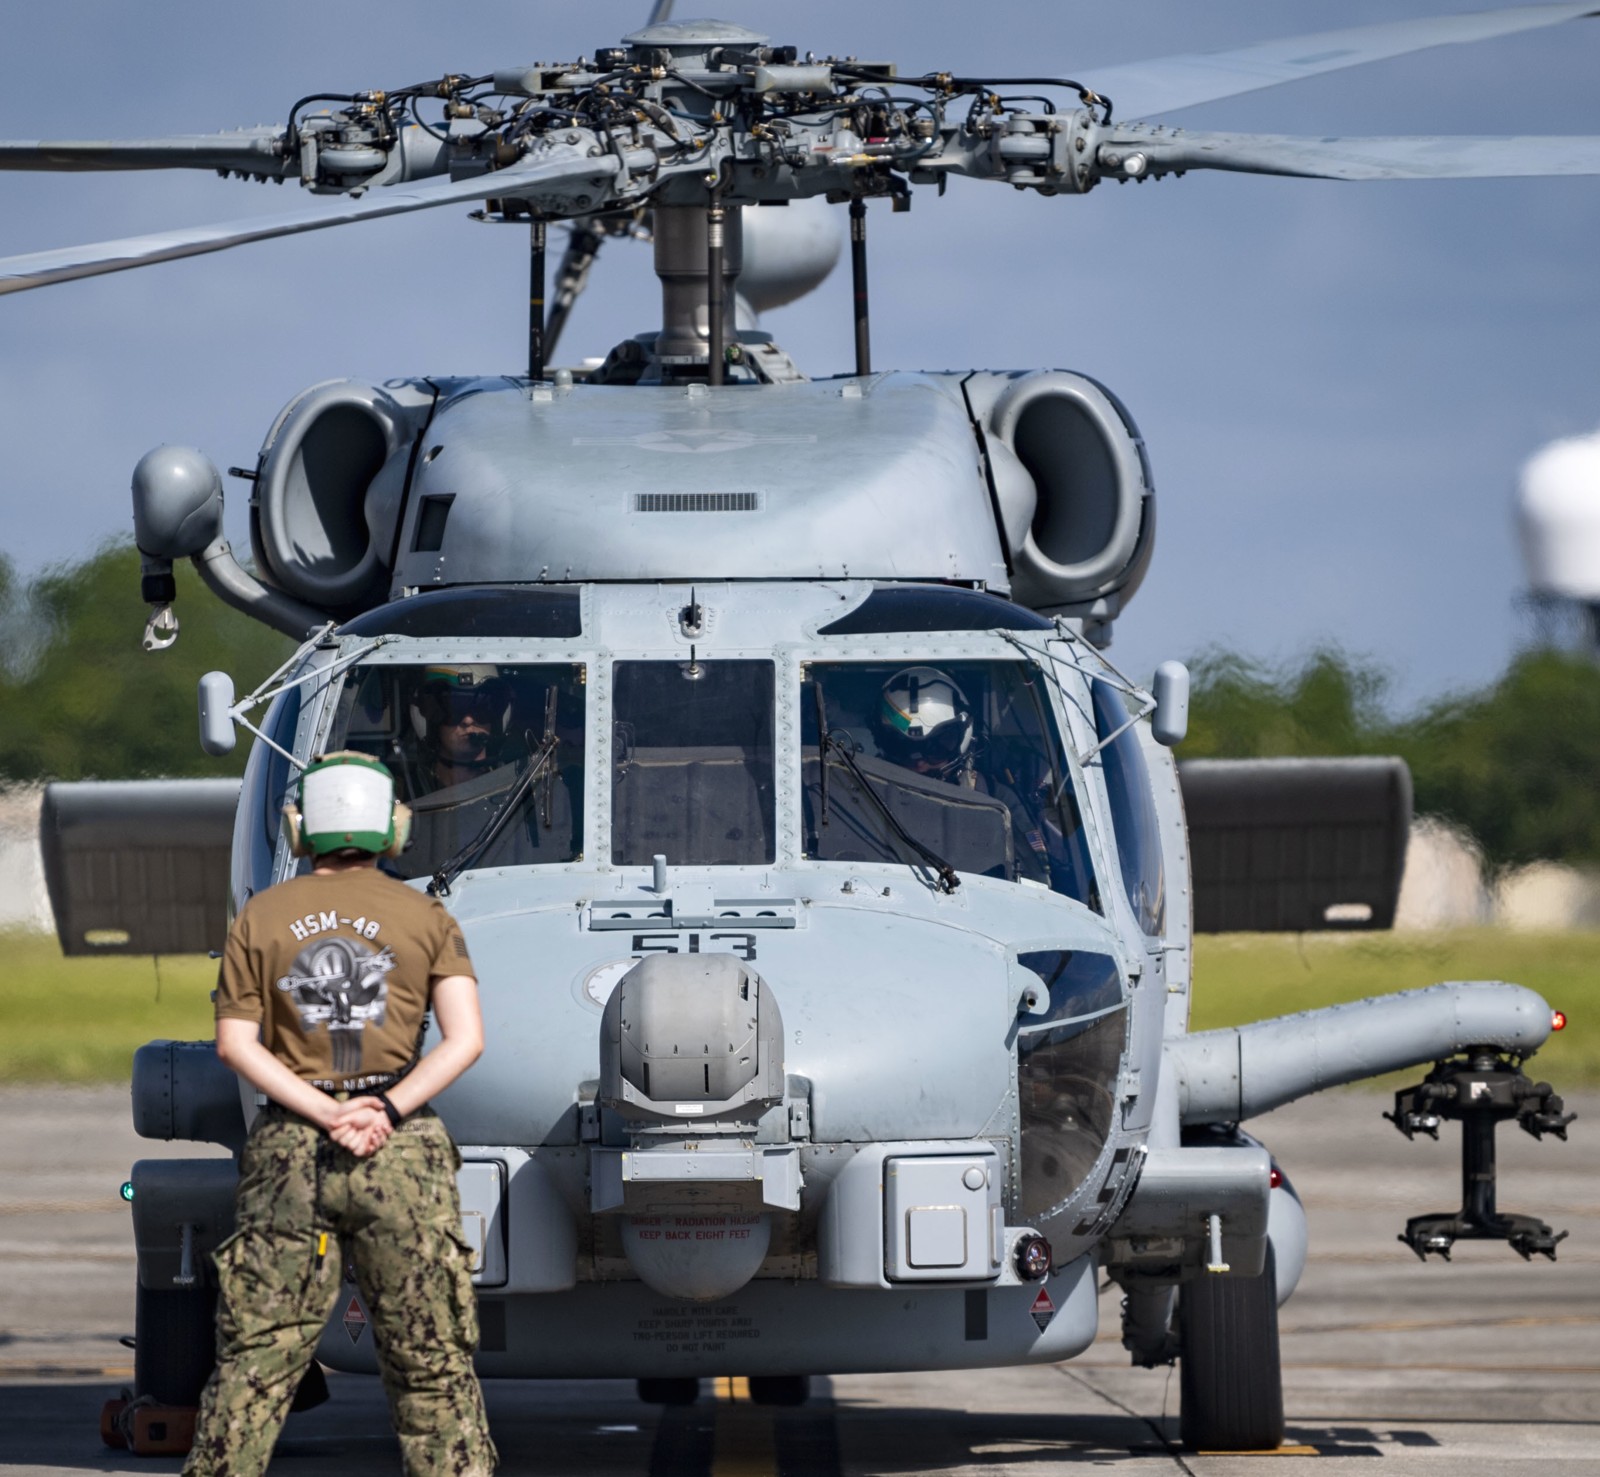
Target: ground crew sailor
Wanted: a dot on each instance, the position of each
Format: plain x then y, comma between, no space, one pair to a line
322,999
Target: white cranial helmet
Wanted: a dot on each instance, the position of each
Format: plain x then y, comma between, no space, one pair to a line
345,802
925,719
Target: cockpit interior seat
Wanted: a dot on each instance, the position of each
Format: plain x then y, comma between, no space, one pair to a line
703,802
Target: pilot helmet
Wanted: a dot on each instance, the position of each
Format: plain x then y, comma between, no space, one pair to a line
345,801
447,694
925,720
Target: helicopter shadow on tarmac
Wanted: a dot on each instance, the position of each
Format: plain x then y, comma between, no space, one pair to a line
598,1427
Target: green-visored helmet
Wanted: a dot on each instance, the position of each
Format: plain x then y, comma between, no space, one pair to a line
345,802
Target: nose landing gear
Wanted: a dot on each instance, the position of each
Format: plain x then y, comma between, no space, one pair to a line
1481,1089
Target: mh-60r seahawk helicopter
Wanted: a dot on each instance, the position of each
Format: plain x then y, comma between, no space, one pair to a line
831,891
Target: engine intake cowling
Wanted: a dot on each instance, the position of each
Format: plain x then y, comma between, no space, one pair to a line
1072,487
325,457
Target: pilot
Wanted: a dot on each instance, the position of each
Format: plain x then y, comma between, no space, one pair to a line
468,758
925,724
460,715
326,983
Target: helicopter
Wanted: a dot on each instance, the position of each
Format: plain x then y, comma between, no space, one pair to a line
800,737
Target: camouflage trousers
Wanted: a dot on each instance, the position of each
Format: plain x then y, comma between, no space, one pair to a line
398,1213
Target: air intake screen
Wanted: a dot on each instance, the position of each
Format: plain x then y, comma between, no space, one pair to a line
697,502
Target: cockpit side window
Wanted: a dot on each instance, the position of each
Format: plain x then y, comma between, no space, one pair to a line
266,778
461,739
692,763
1133,811
964,755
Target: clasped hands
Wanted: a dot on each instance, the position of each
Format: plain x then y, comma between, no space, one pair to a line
360,1125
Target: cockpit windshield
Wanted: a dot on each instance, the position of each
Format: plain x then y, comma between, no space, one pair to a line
963,755
692,763
460,739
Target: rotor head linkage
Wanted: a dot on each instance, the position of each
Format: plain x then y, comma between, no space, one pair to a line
715,301
858,275
536,275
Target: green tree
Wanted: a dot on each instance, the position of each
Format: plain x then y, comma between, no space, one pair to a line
1516,763
80,698
1242,709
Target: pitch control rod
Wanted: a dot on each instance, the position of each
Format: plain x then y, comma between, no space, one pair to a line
536,245
716,217
858,275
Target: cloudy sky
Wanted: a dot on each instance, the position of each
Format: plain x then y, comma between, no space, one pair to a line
1338,382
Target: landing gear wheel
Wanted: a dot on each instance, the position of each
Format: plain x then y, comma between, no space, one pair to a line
175,1344
780,1389
1229,1368
673,1391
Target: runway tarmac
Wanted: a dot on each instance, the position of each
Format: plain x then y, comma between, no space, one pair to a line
1488,1365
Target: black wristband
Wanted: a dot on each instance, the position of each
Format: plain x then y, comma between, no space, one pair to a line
396,1118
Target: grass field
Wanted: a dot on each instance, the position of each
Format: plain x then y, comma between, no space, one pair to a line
80,1020
1244,977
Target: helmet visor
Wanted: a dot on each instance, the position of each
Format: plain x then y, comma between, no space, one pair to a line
456,705
941,747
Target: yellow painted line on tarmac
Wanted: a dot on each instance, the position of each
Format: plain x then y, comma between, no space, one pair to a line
36,1369
742,1442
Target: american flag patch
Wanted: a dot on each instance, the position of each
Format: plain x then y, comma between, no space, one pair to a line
1036,840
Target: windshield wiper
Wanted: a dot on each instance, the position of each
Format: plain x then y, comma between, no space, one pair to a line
844,747
822,754
491,829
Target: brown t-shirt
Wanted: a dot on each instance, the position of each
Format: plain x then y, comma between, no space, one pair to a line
338,971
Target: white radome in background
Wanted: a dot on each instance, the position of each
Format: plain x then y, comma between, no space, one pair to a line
787,253
1558,518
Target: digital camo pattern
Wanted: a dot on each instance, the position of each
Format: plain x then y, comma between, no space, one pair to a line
398,1215
342,984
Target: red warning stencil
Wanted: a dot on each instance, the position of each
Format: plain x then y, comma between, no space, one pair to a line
1043,1310
355,1321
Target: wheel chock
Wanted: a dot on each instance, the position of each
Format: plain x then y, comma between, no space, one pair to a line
148,1429
111,1423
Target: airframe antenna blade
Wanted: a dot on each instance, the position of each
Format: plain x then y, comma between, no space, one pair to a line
1140,89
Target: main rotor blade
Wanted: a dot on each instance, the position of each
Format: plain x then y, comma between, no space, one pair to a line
1139,89
43,268
250,150
1424,157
